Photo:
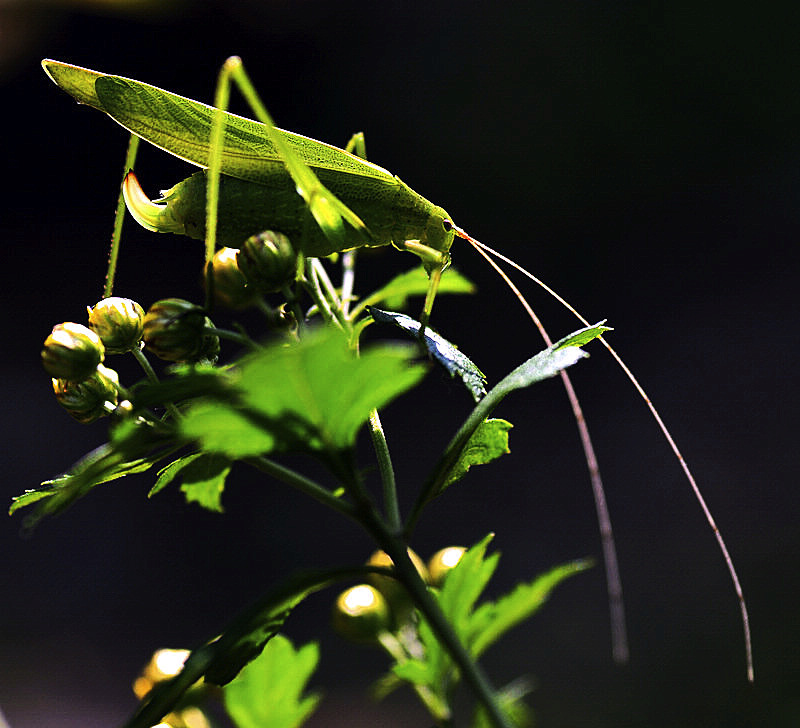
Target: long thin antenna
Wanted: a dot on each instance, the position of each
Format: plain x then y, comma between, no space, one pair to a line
485,249
616,605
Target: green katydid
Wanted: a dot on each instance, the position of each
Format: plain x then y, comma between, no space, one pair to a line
326,200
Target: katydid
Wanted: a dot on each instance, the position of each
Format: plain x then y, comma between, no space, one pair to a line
326,200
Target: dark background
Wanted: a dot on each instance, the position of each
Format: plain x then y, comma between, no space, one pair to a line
641,158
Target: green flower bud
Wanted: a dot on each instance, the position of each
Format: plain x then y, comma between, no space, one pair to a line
230,285
118,322
72,352
268,261
360,614
442,563
173,329
91,398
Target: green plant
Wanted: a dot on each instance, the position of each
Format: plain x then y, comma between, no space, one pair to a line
307,383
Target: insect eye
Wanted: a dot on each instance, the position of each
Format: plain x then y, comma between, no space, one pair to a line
447,225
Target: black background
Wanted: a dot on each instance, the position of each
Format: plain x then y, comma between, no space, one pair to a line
642,159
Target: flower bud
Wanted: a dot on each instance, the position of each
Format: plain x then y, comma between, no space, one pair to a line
118,322
230,285
173,329
442,563
163,665
72,352
360,614
90,399
268,261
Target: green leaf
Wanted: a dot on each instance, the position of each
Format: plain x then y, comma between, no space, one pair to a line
417,672
415,282
223,657
446,353
171,471
187,382
582,336
487,443
203,479
543,365
98,457
462,587
493,619
314,395
509,698
268,693
134,448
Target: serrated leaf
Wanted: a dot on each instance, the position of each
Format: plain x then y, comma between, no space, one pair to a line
203,479
268,693
466,582
545,364
314,395
487,443
415,282
186,383
462,587
53,486
445,352
171,471
222,658
493,619
134,449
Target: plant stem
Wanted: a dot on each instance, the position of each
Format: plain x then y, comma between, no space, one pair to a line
303,484
329,292
294,305
348,279
407,574
149,372
315,291
438,709
239,338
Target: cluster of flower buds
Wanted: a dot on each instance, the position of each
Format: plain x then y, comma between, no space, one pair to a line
363,612
265,263
73,354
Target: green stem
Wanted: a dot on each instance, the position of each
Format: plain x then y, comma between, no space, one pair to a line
294,305
315,291
303,484
242,339
330,293
348,279
119,218
149,372
439,710
406,572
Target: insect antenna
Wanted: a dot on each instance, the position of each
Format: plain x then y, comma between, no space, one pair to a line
487,252
616,605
